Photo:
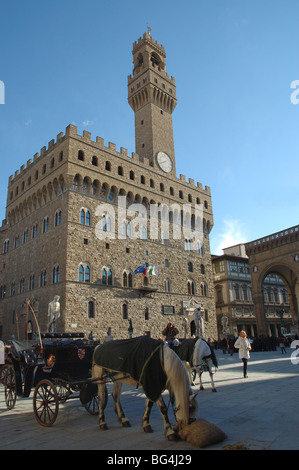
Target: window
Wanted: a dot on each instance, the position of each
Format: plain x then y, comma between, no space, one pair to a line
125,311
56,275
188,245
190,267
107,276
85,217
202,269
34,231
120,171
25,236
203,289
142,179
146,313
191,287
84,273
22,285
132,176
31,282
94,161
127,279
167,285
57,219
43,278
6,246
108,166
46,224
91,309
81,155
2,292
106,223
13,289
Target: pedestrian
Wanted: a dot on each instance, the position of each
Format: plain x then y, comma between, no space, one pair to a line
281,345
244,347
170,332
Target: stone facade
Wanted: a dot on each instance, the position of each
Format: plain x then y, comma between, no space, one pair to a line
58,236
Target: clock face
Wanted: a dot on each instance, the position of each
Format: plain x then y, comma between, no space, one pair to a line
164,162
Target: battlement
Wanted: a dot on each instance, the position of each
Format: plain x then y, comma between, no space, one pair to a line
71,131
147,38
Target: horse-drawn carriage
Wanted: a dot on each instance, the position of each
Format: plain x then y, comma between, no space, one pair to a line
56,369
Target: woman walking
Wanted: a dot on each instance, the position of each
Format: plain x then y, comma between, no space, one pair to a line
244,347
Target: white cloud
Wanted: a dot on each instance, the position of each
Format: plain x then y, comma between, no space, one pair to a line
28,123
87,123
232,234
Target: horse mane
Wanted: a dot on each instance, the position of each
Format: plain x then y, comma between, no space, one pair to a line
178,381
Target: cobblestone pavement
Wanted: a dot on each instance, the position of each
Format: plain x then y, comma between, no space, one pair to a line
260,412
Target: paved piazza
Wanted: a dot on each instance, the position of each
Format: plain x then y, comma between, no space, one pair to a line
259,413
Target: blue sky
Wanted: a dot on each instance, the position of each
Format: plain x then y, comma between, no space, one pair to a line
235,127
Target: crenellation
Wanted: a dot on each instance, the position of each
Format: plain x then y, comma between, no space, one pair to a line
43,151
87,135
35,156
100,141
29,162
51,144
111,146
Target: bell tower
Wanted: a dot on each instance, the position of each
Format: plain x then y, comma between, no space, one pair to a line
152,96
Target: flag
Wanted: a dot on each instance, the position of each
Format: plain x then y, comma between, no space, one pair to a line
153,270
141,269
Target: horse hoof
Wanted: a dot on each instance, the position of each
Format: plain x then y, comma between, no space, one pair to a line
192,383
103,427
148,429
201,388
173,437
126,424
214,390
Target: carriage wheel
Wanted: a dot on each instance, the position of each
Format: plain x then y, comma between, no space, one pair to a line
10,388
45,403
63,393
92,406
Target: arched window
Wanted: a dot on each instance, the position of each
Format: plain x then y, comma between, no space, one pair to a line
125,311
46,224
57,219
106,223
81,155
167,285
94,160
191,287
127,279
6,246
56,274
91,309
107,276
203,289
190,267
85,217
